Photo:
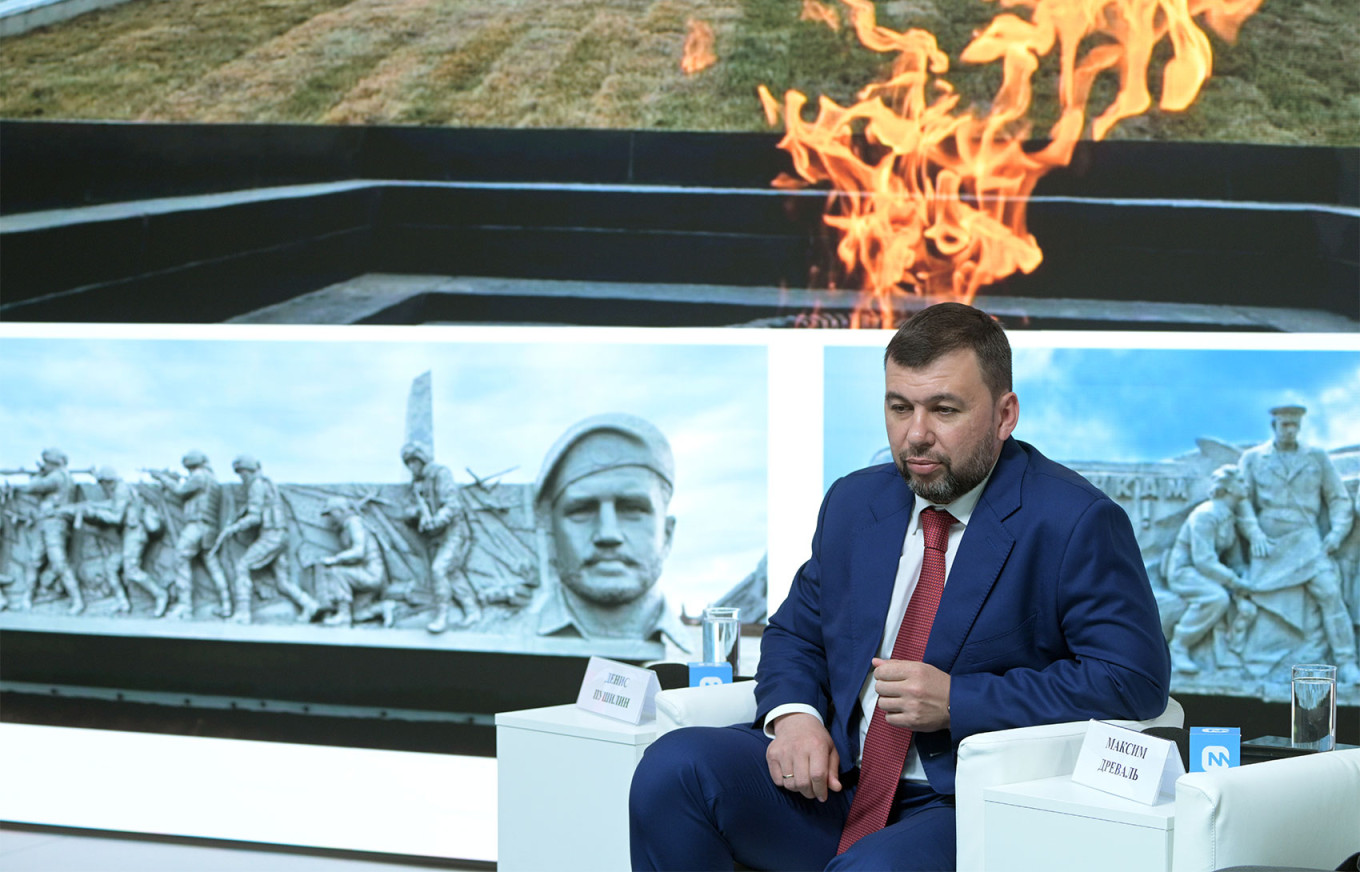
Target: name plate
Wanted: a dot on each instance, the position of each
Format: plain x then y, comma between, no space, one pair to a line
1127,763
617,690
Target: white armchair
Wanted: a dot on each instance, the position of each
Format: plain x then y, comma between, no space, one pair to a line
714,706
1012,756
985,760
1299,812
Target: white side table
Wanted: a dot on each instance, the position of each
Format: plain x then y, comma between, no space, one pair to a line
563,778
1055,825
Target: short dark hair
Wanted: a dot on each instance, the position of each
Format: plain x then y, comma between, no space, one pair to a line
945,327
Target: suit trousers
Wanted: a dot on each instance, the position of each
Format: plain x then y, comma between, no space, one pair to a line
702,798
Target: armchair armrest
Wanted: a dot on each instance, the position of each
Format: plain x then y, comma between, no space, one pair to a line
985,759
1012,756
1296,812
714,706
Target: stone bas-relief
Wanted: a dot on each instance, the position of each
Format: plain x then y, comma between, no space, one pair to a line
603,497
54,491
1254,554
436,511
253,552
570,561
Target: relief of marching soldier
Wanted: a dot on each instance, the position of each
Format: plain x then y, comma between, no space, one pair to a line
201,496
134,520
392,556
47,560
437,512
264,510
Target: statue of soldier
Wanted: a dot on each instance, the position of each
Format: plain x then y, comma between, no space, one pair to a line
1196,570
123,507
201,495
1289,487
265,510
355,571
604,495
53,486
437,511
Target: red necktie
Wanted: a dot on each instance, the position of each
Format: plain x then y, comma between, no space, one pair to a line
885,746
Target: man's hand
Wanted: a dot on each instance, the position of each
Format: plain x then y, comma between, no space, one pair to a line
803,749
1261,546
911,694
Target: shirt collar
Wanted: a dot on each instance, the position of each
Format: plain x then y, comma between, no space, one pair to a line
962,508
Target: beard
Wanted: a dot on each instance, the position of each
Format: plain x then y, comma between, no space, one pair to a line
953,480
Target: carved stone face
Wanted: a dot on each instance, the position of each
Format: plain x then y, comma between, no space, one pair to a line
415,465
1225,482
944,426
611,535
1286,431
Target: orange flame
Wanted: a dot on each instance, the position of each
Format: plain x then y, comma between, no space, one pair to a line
820,13
698,47
1127,31
930,200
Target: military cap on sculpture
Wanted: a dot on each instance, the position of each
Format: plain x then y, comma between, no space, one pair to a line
245,461
106,473
600,443
337,506
1225,478
55,456
194,458
1289,412
416,449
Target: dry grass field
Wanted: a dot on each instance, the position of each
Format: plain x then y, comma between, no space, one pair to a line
1292,77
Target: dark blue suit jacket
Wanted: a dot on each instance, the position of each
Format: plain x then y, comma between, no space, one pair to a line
1047,614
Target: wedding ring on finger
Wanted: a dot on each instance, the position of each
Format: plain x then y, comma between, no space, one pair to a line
790,775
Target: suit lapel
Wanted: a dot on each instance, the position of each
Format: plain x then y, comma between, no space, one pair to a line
873,568
982,553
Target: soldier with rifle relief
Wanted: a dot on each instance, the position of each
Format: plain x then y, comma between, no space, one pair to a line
202,498
437,512
264,510
136,521
51,483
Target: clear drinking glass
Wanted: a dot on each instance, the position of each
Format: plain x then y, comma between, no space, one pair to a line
722,632
1313,706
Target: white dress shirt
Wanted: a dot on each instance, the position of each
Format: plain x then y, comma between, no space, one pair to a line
908,573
